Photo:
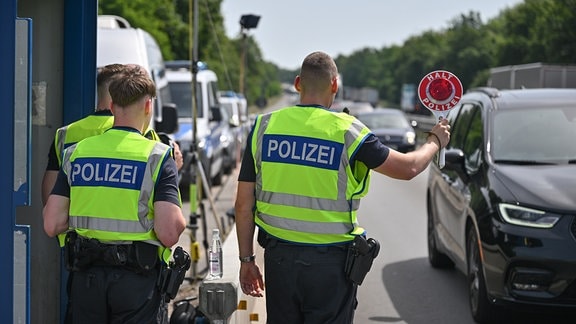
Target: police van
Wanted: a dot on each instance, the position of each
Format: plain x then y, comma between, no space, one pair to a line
236,108
210,139
119,42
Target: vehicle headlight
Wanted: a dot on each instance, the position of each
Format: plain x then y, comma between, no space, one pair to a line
523,216
224,140
410,137
202,143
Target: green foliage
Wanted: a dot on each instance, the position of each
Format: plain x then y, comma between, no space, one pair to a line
168,21
532,31
165,26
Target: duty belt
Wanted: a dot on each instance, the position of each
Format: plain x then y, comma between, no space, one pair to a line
82,253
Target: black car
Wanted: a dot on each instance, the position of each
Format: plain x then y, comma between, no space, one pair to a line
503,208
392,128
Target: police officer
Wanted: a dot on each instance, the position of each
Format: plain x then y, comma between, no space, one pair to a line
303,174
118,193
94,124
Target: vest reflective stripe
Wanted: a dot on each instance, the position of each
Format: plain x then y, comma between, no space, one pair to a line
79,130
311,227
340,205
292,215
117,220
107,225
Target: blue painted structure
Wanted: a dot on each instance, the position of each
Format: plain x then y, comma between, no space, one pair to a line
78,99
7,213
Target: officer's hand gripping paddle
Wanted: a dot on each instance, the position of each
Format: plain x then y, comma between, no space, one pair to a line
440,91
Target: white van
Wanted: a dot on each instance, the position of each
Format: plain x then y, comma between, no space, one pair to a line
118,42
236,108
211,137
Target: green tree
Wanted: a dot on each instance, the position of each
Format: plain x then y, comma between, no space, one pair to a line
537,31
164,27
532,31
468,48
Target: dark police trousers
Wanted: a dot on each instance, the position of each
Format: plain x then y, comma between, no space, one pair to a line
307,284
110,286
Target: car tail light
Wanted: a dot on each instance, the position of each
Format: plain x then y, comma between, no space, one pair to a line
529,217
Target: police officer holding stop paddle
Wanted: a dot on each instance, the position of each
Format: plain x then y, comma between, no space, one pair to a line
303,174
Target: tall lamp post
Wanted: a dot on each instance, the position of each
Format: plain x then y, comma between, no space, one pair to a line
246,22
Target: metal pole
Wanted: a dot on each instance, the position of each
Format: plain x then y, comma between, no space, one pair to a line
195,190
199,185
242,61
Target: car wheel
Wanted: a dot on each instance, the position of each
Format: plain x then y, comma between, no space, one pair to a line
217,179
230,163
436,258
482,310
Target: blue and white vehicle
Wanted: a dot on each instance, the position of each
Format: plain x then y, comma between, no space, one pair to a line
208,118
236,108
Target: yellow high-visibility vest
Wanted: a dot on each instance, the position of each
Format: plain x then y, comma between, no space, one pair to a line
111,191
306,190
73,133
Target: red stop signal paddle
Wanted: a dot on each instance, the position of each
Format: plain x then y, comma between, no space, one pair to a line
439,91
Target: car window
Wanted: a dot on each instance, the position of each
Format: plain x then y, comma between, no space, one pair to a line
181,95
473,140
213,94
158,100
460,125
375,121
543,134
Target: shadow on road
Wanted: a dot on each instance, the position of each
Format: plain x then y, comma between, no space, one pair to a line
441,296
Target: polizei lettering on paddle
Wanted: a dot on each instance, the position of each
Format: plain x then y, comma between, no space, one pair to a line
114,173
302,150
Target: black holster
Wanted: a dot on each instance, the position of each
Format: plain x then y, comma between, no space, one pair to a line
361,254
172,275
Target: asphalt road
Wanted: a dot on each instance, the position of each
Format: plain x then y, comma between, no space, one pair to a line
401,287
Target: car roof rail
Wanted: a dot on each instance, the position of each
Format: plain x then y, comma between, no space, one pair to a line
113,21
184,64
489,91
179,64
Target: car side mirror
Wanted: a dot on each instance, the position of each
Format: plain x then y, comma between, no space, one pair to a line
169,123
216,114
455,162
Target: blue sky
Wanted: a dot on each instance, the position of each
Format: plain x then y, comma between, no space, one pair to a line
289,30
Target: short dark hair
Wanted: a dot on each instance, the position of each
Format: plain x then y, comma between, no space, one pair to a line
317,71
105,73
104,77
131,85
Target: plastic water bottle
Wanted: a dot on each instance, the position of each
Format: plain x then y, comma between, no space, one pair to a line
215,256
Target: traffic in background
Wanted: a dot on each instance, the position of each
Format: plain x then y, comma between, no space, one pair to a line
402,287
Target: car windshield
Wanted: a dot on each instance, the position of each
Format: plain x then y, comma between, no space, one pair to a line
229,107
540,135
181,94
375,121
